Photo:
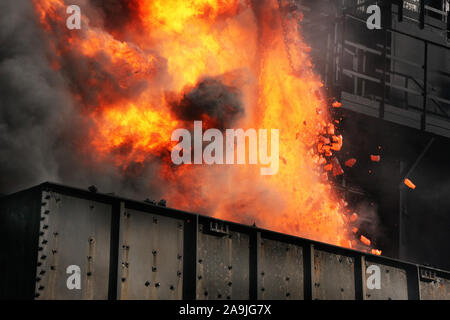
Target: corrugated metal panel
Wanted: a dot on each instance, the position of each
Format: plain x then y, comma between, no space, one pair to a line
151,256
333,276
223,265
73,231
280,271
393,283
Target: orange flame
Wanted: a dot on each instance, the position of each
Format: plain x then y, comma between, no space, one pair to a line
171,45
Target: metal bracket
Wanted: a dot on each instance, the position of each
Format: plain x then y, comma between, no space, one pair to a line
427,275
217,228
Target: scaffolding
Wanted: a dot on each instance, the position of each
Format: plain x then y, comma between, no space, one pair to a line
399,73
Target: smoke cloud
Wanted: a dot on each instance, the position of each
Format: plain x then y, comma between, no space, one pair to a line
41,127
34,105
211,98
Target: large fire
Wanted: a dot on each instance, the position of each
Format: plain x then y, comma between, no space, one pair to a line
144,72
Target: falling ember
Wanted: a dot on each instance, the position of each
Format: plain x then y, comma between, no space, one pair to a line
336,104
350,162
375,158
337,169
375,252
231,64
365,240
409,184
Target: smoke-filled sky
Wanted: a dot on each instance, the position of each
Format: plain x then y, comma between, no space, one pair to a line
40,129
34,107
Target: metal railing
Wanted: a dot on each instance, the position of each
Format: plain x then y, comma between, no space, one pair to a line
431,103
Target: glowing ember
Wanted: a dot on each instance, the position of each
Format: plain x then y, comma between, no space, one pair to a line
229,63
375,158
336,104
409,184
365,240
375,252
350,162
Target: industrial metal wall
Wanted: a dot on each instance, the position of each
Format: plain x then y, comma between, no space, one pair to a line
134,250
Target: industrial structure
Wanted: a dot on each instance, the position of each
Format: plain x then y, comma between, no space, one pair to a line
392,83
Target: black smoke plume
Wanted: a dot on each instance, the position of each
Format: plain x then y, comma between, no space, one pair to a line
211,100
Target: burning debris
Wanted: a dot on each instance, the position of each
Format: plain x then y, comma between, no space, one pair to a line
350,162
375,158
336,104
365,240
409,183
